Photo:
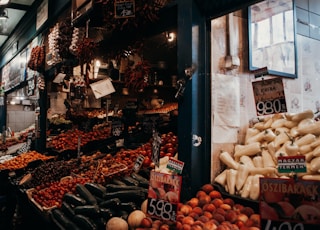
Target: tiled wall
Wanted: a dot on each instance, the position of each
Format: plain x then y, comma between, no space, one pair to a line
19,120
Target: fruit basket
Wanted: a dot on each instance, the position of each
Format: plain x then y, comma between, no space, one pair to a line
114,169
43,209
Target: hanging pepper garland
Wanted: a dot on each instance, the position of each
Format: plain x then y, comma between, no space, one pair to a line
136,78
146,11
85,54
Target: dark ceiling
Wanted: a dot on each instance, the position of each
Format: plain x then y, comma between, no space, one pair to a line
216,8
15,10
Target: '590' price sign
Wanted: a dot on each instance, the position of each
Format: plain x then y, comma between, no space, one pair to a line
162,209
269,96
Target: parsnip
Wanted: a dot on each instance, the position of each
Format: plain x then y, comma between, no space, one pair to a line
267,159
290,124
259,125
247,187
278,123
250,133
280,152
242,174
291,148
309,156
221,178
281,139
312,128
228,160
305,139
311,177
257,161
304,149
265,135
231,180
303,115
271,148
248,150
246,160
316,152
267,124
294,132
268,171
315,165
316,143
255,187
304,122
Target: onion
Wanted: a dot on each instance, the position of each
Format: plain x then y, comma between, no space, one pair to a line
117,223
144,206
135,218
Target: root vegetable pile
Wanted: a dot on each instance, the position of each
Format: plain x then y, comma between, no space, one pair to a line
289,134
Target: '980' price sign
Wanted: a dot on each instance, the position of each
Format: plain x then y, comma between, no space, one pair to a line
271,106
162,209
269,96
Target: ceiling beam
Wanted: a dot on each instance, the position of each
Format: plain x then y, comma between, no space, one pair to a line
17,6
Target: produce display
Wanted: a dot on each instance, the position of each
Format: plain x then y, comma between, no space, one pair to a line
19,137
210,210
22,160
122,205
46,173
69,139
289,134
90,205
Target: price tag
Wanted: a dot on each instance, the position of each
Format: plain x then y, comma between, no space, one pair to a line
138,164
175,165
163,195
279,196
162,209
277,225
116,128
269,96
289,164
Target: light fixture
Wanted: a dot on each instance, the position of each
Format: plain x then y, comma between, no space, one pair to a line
4,14
4,2
171,36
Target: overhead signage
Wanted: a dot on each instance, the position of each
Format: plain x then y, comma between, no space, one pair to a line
124,8
269,96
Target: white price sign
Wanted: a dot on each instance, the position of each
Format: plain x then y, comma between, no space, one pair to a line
269,96
162,209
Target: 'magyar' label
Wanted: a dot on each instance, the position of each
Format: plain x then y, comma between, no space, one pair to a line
295,164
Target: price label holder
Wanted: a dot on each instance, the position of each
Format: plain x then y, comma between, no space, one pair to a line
149,122
117,128
164,196
269,96
138,164
289,204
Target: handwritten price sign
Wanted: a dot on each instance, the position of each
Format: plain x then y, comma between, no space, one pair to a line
164,196
162,209
269,96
